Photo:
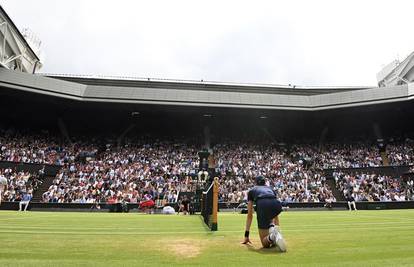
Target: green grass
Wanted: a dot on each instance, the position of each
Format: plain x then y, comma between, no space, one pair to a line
320,238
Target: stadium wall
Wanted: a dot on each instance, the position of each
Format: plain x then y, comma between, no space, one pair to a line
36,206
50,170
222,96
385,170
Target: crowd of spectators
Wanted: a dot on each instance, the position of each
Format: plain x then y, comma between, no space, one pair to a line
159,169
401,154
162,169
333,156
372,187
19,183
239,164
40,149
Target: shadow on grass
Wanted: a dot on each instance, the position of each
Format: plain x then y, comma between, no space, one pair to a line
261,250
206,228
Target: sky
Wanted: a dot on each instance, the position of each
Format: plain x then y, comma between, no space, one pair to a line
298,42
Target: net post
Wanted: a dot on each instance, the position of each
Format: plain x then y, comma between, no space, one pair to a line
215,205
202,200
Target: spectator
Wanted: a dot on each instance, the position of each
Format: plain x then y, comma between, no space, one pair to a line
25,201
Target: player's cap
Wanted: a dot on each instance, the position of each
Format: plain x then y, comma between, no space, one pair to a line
260,180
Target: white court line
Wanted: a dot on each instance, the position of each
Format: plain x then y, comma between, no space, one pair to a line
14,218
197,232
78,228
288,226
389,217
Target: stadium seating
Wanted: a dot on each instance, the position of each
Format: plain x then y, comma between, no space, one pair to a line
372,187
18,183
164,168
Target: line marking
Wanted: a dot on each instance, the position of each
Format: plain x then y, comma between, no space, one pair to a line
410,228
307,226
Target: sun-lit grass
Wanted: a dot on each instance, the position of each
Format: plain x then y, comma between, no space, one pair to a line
320,238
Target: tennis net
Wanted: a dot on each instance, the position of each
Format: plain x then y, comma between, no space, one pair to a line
209,205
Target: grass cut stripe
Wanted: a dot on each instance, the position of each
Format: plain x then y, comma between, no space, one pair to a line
315,238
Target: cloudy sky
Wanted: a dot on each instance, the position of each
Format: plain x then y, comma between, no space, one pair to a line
318,42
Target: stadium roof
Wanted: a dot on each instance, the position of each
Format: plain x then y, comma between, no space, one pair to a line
17,31
201,85
207,94
397,73
16,50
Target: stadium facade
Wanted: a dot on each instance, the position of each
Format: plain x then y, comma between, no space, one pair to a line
15,52
203,94
282,109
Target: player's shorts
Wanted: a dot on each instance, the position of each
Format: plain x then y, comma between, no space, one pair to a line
350,199
266,210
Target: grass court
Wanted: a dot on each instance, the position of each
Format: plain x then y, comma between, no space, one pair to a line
316,238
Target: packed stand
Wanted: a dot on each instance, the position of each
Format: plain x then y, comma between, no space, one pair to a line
401,154
333,156
159,170
372,187
19,183
238,165
40,149
162,169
